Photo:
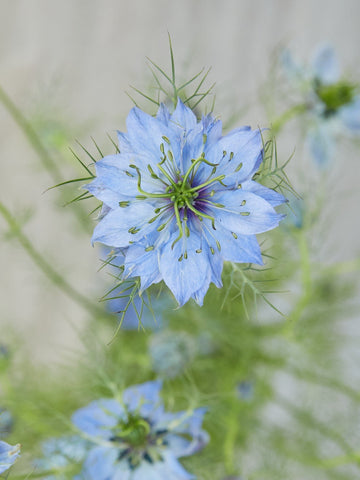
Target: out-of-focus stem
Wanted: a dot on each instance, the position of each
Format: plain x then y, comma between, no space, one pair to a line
46,268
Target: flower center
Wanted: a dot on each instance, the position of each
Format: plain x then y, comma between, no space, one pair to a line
134,432
335,96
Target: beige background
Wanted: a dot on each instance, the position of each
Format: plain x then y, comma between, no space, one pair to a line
73,59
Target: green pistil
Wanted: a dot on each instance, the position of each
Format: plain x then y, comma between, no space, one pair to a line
336,95
134,432
179,192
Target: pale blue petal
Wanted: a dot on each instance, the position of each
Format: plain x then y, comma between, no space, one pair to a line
168,469
8,455
321,144
144,398
146,134
97,418
234,248
350,114
184,277
113,229
325,65
183,117
268,194
212,128
163,114
139,263
246,147
102,464
255,216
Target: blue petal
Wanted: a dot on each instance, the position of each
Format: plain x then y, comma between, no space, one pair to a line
242,249
168,469
144,398
255,216
321,144
212,129
246,147
113,229
187,423
163,114
146,134
184,277
8,455
139,263
325,65
350,114
97,418
102,464
183,117
268,194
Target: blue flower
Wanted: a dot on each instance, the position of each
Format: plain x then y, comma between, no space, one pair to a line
179,200
8,455
333,103
136,439
6,422
171,352
59,453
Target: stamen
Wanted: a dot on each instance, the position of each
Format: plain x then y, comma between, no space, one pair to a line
134,230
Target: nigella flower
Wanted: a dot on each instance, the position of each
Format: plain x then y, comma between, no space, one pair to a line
179,199
8,455
171,352
332,101
6,422
60,453
136,439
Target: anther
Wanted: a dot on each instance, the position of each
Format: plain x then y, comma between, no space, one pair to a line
243,203
245,214
134,230
238,167
161,227
234,235
148,249
124,204
180,258
185,255
199,250
204,138
212,250
129,174
166,139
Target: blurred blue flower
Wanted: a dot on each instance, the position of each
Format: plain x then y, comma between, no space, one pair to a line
179,200
8,455
333,103
171,352
149,313
59,453
6,422
245,390
136,439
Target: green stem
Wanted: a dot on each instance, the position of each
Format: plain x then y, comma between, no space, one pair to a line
46,268
48,162
292,112
306,282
